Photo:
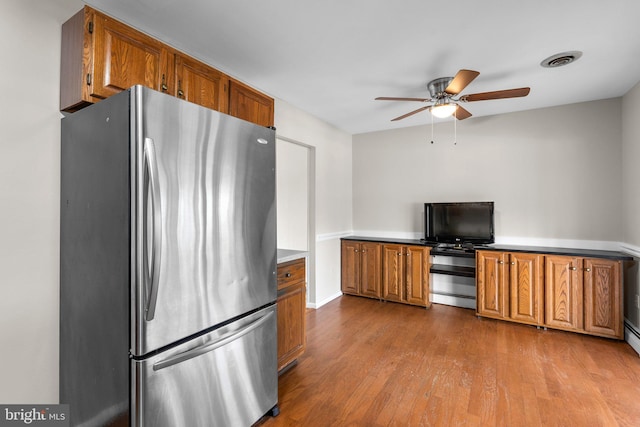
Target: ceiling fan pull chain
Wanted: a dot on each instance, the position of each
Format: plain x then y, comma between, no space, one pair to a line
431,128
455,129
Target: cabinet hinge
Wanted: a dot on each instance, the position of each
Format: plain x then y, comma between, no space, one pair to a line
88,79
90,27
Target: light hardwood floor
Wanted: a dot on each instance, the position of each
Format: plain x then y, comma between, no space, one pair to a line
371,363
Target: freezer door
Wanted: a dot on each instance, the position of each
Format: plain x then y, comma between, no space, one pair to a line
205,219
225,378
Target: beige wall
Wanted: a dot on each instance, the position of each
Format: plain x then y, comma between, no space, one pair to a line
29,197
631,197
554,173
631,171
333,193
292,179
585,135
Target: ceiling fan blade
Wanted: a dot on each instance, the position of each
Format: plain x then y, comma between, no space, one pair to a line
498,94
386,98
411,113
460,81
462,113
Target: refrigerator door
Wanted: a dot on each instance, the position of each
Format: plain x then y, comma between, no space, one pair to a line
204,248
225,378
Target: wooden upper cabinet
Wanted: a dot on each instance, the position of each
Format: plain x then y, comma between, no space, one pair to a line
603,298
198,83
563,292
102,57
124,57
245,103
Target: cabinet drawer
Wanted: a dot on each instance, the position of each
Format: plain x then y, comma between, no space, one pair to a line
290,272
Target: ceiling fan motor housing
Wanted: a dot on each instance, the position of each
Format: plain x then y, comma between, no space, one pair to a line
437,87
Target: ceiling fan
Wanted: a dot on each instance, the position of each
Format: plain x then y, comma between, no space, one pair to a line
445,100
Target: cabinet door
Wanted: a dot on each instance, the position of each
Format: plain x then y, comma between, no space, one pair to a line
123,57
248,104
563,292
417,275
350,268
198,83
370,266
525,290
603,298
291,323
491,288
393,273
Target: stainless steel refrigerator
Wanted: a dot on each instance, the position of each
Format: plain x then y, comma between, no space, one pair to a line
168,265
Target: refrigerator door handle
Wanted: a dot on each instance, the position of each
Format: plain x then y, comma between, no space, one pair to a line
153,243
206,348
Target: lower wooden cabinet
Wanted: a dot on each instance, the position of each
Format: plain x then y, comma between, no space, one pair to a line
405,274
603,313
292,291
361,268
556,291
563,293
389,272
509,286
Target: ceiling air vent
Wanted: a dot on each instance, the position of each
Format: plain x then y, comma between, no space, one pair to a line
561,59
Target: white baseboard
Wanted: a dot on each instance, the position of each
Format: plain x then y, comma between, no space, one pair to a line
324,301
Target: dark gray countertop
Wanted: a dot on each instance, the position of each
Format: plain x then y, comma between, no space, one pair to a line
592,253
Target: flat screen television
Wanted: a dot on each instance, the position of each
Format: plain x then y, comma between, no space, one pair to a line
459,223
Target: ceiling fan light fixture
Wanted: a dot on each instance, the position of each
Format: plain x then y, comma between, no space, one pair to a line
442,111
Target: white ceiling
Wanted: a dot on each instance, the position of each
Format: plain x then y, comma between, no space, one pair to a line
331,58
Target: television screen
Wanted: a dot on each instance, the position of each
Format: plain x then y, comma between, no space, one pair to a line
464,222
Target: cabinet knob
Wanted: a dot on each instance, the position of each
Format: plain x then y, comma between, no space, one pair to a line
500,262
587,270
399,253
287,275
513,263
572,268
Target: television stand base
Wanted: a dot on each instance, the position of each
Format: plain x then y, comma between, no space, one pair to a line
456,246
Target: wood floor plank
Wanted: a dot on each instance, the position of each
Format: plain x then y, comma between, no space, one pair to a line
371,363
